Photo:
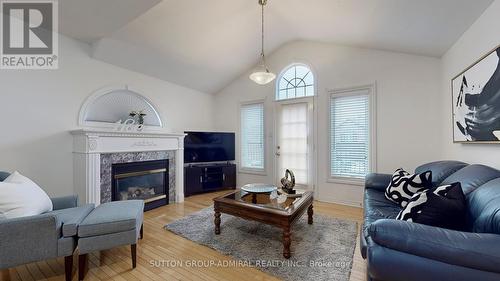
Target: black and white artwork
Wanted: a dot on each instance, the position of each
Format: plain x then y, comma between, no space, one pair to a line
476,101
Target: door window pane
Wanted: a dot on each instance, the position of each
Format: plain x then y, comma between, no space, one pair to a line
293,132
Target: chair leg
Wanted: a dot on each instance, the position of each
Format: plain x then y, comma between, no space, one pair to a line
142,231
133,250
82,266
5,274
68,267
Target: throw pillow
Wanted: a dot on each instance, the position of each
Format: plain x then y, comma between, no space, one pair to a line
443,206
20,197
403,186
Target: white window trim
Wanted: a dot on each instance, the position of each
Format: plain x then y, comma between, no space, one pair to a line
312,126
246,170
315,119
372,94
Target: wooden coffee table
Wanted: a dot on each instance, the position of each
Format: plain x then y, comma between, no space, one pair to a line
259,207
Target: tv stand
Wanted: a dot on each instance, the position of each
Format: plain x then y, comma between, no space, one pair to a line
208,177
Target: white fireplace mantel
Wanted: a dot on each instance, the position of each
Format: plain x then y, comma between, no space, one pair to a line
88,145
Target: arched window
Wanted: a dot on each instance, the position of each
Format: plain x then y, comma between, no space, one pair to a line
296,81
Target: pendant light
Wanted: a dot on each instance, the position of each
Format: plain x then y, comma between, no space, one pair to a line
261,75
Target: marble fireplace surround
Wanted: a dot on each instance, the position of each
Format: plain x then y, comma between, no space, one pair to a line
108,159
94,151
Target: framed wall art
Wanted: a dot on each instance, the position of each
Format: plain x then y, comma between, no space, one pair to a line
476,101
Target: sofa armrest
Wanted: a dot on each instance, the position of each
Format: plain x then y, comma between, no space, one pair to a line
4,175
64,202
28,239
473,250
377,181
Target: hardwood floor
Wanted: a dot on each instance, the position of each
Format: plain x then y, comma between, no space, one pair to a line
166,248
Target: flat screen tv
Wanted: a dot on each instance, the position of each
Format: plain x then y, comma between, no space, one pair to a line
208,147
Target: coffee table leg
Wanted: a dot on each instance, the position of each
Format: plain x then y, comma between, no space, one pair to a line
217,222
287,241
310,213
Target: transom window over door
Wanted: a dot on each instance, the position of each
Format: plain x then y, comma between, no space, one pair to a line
297,81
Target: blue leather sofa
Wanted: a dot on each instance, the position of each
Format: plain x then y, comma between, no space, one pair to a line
399,250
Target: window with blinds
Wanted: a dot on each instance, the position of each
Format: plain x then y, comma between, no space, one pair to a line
350,134
252,136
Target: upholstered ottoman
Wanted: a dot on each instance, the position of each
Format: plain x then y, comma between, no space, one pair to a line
107,226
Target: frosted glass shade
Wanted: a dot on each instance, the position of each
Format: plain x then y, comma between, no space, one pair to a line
262,76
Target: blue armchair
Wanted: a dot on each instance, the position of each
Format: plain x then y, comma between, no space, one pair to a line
400,250
46,236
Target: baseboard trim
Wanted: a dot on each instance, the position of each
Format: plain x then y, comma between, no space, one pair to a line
342,202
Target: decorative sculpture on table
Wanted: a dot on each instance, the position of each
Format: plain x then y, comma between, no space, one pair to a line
288,184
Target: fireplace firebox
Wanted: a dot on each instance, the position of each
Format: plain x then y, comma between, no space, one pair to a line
146,180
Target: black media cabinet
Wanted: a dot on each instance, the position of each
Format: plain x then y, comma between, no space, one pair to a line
201,178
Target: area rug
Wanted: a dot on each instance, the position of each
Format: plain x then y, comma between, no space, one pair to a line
321,251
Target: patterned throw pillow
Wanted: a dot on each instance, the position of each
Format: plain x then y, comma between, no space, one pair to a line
403,186
443,206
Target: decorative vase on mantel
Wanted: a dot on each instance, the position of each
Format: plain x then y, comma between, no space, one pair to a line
138,116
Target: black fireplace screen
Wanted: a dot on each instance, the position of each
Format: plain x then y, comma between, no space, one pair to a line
146,180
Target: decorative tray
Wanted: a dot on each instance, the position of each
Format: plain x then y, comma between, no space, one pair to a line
259,188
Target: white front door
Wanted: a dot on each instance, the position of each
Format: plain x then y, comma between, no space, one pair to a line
294,143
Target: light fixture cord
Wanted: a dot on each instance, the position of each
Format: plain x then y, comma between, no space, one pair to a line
262,37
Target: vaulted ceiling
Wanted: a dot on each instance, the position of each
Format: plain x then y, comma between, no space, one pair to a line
204,44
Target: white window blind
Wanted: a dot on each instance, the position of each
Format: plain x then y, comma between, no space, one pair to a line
252,136
350,135
293,135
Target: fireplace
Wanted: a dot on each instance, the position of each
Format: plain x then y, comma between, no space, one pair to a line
145,180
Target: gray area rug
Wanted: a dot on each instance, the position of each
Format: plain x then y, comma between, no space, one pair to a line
321,251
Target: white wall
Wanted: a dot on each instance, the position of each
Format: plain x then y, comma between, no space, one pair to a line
38,108
407,106
482,37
